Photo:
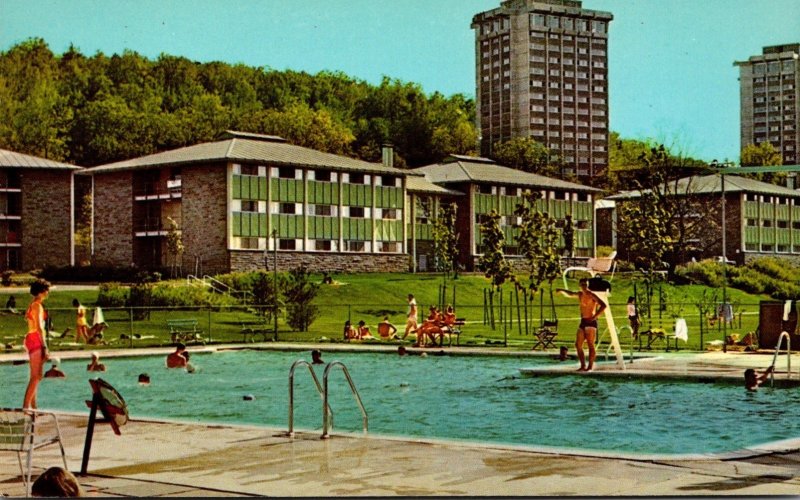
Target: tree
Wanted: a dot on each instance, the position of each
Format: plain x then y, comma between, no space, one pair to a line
568,233
763,155
445,240
538,242
299,293
493,262
524,153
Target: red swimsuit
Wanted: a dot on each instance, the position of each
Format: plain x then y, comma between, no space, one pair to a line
33,340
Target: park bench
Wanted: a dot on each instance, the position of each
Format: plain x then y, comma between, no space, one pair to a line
449,331
251,328
185,331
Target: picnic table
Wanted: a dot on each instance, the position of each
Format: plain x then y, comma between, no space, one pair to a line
185,330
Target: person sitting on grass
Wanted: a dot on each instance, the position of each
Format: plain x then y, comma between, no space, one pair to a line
753,379
363,331
350,332
177,359
386,330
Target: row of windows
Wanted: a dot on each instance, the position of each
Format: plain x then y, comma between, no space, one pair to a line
317,175
773,67
317,210
568,23
251,243
764,247
509,220
780,224
518,191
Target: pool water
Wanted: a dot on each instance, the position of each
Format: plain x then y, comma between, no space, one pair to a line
469,398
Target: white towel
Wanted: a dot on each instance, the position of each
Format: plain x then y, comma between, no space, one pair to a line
681,330
787,308
98,317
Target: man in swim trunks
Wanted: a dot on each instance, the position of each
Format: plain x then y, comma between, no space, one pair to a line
411,316
591,308
177,358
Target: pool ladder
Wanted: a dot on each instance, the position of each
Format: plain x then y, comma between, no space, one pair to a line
619,335
788,356
327,413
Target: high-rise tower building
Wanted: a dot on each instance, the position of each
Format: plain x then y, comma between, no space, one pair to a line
770,100
542,72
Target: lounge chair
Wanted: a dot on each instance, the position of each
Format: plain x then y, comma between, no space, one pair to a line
594,266
25,431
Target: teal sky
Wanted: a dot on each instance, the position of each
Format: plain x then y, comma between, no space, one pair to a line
671,67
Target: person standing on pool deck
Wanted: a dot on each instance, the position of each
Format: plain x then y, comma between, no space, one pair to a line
81,326
591,308
411,317
36,340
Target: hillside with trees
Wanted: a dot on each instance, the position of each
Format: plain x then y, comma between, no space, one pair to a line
92,110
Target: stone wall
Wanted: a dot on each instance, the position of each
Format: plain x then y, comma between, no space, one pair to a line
204,218
113,219
250,260
46,211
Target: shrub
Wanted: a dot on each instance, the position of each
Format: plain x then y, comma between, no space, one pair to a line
300,292
705,272
112,294
7,278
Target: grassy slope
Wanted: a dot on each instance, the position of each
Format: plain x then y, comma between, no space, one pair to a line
371,296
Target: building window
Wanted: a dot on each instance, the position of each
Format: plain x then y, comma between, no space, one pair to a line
287,208
767,248
325,245
482,218
248,243
357,212
286,172
388,180
752,222
323,176
249,206
249,169
389,214
357,179
356,246
389,246
783,224
783,248
287,244
485,189
322,210
766,223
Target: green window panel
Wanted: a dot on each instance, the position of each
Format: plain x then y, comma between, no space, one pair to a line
237,187
323,193
357,195
288,190
388,230
423,231
796,212
560,209
511,235
356,229
236,223
782,212
541,205
288,226
751,235
767,211
323,228
263,193
508,204
783,236
388,197
583,211
478,234
768,235
751,209
795,237
584,238
484,203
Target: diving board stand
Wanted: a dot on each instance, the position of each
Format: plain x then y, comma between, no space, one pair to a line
612,329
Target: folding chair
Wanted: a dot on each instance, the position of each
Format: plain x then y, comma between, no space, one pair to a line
546,334
24,431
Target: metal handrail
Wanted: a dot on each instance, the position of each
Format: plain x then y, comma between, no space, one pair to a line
326,423
221,287
192,279
788,356
291,393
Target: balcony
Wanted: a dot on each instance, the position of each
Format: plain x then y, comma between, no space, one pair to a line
153,226
168,191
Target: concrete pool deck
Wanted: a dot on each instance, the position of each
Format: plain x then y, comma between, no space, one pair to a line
158,458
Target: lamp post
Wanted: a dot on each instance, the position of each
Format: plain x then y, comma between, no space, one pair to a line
720,168
275,281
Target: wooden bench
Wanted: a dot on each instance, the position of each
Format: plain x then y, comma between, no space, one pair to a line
185,331
252,328
449,331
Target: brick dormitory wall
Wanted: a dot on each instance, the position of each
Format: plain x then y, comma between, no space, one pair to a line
45,218
244,260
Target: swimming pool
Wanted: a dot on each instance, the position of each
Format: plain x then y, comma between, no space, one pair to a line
467,398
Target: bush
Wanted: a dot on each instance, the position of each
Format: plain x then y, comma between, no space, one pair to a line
705,272
178,294
300,292
7,278
112,294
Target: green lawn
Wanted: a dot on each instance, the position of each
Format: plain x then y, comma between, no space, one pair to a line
369,297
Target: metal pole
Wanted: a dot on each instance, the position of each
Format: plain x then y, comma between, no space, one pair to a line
724,271
275,282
